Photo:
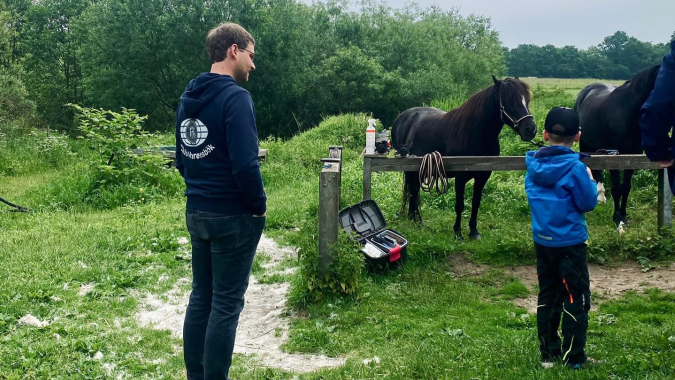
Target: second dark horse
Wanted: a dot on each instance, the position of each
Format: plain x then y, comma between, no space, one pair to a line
469,130
609,118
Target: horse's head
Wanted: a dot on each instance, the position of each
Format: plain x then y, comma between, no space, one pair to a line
514,99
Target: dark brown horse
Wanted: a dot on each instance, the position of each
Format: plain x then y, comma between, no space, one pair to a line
609,118
469,130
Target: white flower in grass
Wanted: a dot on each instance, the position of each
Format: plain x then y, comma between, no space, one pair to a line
182,240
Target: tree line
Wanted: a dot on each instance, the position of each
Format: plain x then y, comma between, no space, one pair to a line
618,56
312,60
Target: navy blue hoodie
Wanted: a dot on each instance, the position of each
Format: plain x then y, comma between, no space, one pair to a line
559,191
217,147
657,114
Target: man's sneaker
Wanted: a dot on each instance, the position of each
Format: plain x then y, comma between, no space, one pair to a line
547,364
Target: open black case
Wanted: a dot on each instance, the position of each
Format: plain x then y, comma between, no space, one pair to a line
383,248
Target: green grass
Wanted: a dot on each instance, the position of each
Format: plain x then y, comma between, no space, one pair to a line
571,86
421,321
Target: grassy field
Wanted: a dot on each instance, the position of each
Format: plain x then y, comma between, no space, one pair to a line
571,86
422,322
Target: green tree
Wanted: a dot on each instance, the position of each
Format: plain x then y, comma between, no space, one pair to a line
48,49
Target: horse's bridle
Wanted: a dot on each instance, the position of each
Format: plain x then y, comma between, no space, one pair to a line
502,113
513,121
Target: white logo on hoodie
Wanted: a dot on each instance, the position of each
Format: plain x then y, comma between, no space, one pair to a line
193,132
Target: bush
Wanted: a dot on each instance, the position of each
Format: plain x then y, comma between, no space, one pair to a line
342,275
115,175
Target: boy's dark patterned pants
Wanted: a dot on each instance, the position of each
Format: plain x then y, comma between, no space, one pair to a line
564,291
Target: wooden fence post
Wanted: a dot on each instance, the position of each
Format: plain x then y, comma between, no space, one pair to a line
329,205
367,177
335,151
665,212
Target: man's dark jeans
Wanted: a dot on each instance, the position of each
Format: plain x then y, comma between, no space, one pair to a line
564,291
222,255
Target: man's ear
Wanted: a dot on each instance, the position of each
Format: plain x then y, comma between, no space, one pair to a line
577,137
546,136
232,51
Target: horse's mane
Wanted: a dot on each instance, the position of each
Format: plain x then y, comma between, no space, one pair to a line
643,81
465,121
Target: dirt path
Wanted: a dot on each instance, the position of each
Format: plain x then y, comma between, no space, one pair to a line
263,325
607,283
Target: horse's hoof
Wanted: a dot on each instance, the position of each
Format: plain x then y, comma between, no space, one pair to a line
621,228
475,236
459,237
601,193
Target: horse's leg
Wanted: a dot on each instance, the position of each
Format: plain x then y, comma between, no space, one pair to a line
460,183
480,180
413,181
616,195
597,176
625,190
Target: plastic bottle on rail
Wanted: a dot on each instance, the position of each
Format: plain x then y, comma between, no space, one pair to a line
370,136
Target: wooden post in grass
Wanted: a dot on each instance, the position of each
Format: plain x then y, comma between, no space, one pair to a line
335,151
329,205
367,177
665,212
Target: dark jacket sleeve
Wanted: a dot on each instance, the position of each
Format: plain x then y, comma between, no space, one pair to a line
657,114
179,155
242,143
584,189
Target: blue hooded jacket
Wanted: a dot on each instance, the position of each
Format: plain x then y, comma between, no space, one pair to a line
217,147
657,116
559,192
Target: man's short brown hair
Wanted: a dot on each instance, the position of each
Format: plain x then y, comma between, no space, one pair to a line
223,36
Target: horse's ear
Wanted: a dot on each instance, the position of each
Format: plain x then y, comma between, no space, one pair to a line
497,81
516,78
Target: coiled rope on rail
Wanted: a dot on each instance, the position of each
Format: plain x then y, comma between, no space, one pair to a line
432,174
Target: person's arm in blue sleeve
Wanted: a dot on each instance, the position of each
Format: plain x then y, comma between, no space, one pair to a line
242,143
657,114
179,154
584,189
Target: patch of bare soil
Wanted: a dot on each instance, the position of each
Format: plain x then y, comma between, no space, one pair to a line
263,325
607,283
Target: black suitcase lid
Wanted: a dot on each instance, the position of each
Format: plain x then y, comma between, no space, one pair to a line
363,219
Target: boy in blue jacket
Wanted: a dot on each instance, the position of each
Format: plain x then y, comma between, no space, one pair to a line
560,189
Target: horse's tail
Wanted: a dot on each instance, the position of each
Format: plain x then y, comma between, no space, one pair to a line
580,98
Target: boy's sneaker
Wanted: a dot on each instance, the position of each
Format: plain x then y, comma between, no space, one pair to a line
547,364
575,367
590,362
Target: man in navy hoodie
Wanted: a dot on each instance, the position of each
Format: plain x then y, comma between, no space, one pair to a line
657,117
217,154
560,189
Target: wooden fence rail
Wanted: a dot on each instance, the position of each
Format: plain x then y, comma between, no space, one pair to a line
380,163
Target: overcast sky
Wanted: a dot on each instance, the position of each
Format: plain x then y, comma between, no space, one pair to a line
582,23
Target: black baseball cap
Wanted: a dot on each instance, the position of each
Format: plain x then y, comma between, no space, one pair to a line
562,121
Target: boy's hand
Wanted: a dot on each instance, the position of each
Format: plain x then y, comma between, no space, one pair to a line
590,174
666,163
